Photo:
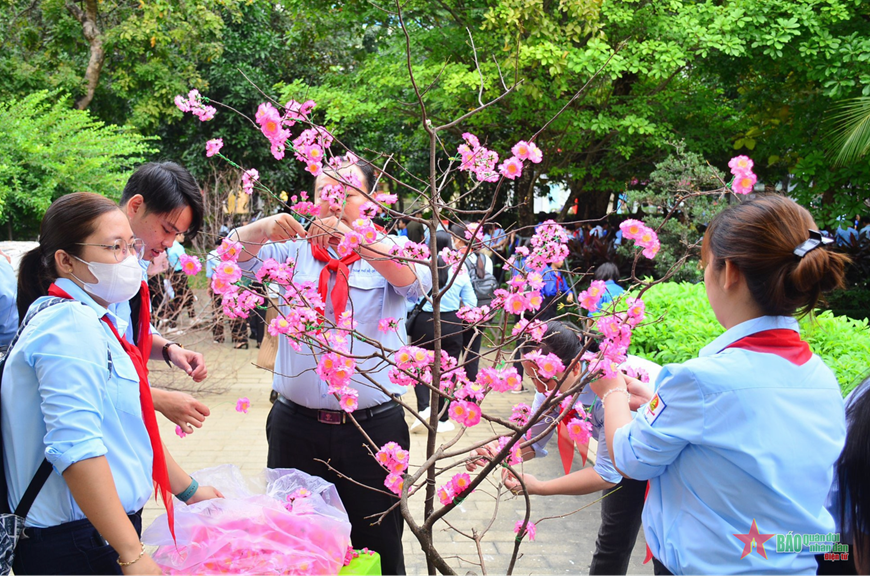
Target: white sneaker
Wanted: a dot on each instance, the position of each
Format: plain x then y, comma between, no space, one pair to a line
417,423
445,426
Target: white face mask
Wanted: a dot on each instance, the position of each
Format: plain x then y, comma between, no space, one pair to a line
116,282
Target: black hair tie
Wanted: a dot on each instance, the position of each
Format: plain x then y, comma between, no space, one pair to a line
815,241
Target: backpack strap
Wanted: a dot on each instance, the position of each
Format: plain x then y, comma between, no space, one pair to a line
44,470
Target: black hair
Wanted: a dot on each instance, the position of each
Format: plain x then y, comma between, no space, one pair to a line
607,272
853,471
68,221
442,240
166,187
563,339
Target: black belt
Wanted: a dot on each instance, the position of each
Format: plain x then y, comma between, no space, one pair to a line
334,417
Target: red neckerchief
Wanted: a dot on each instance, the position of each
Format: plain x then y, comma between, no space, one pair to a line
340,292
159,470
145,339
785,343
566,444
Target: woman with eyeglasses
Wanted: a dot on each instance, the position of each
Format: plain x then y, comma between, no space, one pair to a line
76,412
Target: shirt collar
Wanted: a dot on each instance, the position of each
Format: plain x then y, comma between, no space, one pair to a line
747,328
80,294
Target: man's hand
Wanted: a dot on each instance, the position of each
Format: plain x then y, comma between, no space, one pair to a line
191,362
180,408
488,450
280,228
327,231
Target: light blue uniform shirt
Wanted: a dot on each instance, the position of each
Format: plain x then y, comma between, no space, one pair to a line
370,298
603,463
8,306
62,402
738,435
612,290
460,293
174,254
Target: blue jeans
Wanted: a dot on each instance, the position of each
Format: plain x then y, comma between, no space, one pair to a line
74,548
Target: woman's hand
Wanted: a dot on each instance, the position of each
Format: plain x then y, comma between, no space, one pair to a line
145,566
640,392
606,384
204,493
534,486
488,450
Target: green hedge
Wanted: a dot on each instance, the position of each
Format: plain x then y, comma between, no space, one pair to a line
687,324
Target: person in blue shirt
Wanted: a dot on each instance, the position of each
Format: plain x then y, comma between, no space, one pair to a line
184,298
846,236
8,309
306,426
72,396
160,200
739,445
555,289
460,293
609,273
620,510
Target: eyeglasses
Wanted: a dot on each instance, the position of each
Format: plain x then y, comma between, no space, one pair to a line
122,249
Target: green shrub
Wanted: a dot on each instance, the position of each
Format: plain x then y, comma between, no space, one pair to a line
687,324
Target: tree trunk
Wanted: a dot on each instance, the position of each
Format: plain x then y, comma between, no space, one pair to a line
88,20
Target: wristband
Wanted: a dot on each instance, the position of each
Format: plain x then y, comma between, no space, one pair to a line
189,492
166,347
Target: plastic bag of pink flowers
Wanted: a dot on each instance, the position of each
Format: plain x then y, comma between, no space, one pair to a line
282,522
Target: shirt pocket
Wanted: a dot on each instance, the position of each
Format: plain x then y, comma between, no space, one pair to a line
366,295
123,385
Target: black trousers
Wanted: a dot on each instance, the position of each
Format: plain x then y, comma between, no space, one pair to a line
620,522
296,441
423,334
71,549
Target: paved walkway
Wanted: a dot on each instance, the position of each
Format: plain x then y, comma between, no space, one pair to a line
563,546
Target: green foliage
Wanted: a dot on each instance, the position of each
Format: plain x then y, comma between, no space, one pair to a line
48,150
679,175
687,323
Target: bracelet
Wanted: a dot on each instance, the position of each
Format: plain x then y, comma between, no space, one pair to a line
614,390
125,564
189,492
166,347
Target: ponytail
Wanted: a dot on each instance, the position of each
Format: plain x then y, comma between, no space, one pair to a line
34,278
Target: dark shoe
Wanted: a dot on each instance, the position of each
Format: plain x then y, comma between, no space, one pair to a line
241,345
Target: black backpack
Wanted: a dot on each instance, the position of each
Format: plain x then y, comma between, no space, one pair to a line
484,283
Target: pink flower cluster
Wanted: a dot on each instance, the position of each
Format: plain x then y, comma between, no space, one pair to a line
303,206
549,245
310,148
579,430
465,413
454,489
744,178
616,330
190,264
395,459
275,126
417,251
482,161
535,329
642,236
388,324
638,373
474,314
590,298
195,105
213,147
528,530
521,414
354,554
500,380
243,404
515,455
548,365
249,177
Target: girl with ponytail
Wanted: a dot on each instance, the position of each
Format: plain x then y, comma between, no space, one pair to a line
739,444
77,416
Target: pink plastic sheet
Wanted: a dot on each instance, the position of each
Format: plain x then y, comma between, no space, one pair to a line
283,522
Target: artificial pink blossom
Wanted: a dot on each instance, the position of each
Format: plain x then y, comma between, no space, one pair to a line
249,177
213,147
530,530
243,404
